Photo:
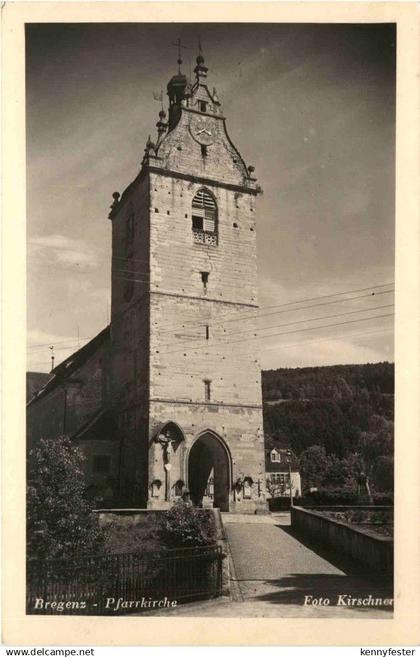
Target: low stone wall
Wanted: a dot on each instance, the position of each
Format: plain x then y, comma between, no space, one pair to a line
373,551
124,517
344,507
223,542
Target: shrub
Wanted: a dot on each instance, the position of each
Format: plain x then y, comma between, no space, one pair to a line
60,522
186,526
330,496
342,497
282,503
383,499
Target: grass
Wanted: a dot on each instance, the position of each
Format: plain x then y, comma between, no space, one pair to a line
181,526
141,538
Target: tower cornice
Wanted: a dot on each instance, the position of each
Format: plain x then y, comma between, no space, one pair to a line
168,173
244,189
212,114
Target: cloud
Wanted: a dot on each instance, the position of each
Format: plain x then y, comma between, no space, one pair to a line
39,352
328,351
37,339
84,287
59,249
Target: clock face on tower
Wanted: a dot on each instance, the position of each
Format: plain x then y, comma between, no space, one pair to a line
202,129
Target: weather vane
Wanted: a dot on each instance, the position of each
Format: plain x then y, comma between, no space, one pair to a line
158,95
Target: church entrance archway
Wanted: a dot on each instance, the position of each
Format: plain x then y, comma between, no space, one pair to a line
209,472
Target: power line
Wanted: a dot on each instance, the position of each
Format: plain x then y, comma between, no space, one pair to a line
244,355
258,315
239,315
336,294
313,328
293,303
132,280
244,315
130,259
302,321
239,318
143,273
130,271
69,345
383,329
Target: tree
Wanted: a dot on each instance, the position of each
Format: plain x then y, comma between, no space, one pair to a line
60,523
383,474
336,474
314,464
377,449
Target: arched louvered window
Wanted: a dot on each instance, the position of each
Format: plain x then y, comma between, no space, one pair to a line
204,217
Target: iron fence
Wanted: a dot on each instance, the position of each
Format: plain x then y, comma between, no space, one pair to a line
123,583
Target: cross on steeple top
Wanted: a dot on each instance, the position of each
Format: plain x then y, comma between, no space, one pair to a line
179,45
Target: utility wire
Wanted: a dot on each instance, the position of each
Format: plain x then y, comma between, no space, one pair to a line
244,355
314,328
302,321
237,314
241,318
206,322
243,315
383,329
143,273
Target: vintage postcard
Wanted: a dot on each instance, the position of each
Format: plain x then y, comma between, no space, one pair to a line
212,213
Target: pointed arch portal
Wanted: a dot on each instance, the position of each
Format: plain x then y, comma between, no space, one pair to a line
209,472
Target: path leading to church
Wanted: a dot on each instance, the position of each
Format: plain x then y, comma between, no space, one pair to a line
274,571
272,565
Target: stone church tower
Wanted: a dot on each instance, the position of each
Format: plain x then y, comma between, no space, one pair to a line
185,378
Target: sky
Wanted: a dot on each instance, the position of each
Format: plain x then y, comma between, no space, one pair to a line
311,106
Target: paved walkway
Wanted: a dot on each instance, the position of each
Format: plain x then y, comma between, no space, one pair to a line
273,571
273,566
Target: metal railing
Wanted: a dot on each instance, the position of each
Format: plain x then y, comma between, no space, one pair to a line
94,584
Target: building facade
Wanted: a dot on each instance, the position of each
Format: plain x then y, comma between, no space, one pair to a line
282,472
181,377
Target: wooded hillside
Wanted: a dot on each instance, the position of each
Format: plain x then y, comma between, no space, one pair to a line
342,413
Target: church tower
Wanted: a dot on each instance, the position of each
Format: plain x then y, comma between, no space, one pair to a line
185,378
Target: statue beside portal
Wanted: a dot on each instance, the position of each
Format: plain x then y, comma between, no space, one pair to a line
166,441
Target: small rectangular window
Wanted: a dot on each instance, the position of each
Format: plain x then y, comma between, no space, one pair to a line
207,390
204,278
101,463
203,106
207,332
197,222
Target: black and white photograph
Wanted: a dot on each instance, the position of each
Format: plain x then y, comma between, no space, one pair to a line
210,319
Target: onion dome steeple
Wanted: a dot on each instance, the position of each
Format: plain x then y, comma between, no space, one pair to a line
201,69
176,89
161,124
